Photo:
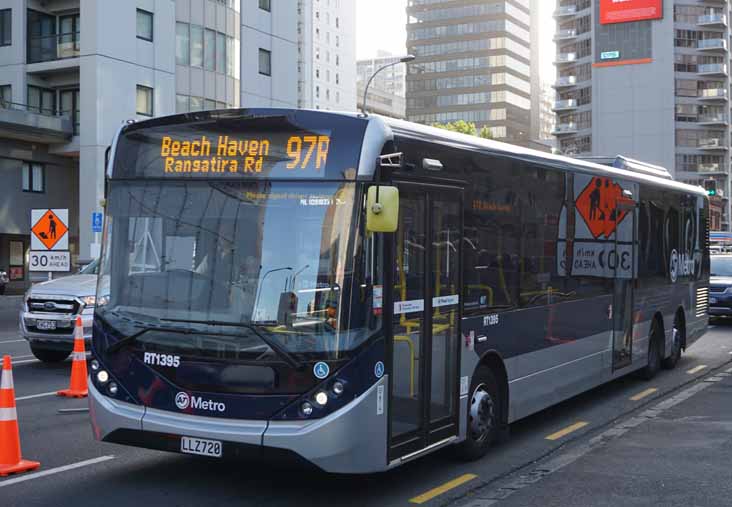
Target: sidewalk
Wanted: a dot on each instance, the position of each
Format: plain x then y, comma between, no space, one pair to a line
676,453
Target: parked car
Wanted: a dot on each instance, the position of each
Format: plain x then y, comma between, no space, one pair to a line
3,281
50,310
720,286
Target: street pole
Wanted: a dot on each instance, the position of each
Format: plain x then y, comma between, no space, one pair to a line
404,59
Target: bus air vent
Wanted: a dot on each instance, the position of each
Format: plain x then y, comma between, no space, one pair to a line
702,301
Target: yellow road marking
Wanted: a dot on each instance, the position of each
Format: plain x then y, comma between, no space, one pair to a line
566,431
696,369
439,490
643,394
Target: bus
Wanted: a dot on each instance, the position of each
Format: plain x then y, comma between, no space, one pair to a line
357,291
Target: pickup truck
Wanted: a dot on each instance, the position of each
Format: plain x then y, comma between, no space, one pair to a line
50,309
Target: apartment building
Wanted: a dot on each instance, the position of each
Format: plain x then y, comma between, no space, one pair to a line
327,54
473,63
386,94
71,72
653,86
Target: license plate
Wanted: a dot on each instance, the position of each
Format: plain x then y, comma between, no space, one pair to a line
46,325
201,446
712,301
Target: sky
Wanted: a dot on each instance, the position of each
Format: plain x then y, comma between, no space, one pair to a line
380,24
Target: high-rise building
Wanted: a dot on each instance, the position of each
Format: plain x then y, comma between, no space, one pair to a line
72,71
652,84
387,89
327,54
473,63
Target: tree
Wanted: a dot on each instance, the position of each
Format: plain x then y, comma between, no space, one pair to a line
465,127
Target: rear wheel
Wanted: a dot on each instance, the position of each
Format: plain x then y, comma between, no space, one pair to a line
49,355
655,344
679,337
484,416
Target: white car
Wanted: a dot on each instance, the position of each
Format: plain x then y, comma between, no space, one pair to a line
50,309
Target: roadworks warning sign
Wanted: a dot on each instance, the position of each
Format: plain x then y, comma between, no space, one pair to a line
50,230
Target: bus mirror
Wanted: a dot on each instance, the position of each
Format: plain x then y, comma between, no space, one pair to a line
382,209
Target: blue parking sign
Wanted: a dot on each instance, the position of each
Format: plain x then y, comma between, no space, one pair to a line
97,222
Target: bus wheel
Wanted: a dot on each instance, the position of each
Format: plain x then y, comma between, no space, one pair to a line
484,416
679,336
655,343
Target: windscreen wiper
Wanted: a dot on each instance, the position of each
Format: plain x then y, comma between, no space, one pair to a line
128,340
254,328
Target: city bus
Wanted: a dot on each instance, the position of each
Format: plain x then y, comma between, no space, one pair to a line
357,291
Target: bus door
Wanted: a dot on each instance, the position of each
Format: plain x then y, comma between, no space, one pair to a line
622,262
425,280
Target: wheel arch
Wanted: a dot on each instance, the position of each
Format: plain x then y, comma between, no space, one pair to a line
493,360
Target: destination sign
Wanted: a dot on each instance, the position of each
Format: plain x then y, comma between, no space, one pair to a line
227,154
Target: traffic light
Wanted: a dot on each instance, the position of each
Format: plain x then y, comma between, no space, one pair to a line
711,187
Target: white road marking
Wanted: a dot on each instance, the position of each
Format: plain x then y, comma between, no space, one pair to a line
53,471
25,361
41,395
11,341
21,357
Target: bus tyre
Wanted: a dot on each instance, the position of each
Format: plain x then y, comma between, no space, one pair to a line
679,337
484,416
49,355
655,344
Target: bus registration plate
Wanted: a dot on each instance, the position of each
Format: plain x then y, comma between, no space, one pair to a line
201,446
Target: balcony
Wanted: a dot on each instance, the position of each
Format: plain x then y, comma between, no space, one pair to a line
565,81
713,94
565,10
565,105
712,69
712,144
712,19
563,58
712,45
565,35
720,119
54,47
26,123
562,129
710,167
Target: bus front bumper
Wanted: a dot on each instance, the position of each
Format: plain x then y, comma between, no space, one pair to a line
350,440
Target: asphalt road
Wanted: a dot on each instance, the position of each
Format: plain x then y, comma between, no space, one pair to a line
118,475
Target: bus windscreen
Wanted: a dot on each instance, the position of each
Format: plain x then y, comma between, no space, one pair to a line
228,145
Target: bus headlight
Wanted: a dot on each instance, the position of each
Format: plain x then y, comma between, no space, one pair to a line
306,409
102,376
321,398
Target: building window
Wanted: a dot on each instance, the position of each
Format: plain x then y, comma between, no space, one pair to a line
265,62
70,107
338,41
181,104
144,100
317,73
6,27
209,105
209,58
6,96
196,46
41,100
196,103
265,5
182,44
144,25
220,53
338,78
338,22
34,178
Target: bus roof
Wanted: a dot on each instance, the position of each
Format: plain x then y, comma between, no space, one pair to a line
489,146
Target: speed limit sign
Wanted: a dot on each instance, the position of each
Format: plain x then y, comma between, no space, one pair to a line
50,261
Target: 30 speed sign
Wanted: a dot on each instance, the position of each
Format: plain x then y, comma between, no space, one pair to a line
50,261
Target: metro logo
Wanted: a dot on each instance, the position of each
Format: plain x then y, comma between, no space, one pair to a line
625,11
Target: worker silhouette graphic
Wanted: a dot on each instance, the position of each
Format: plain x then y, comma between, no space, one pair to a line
595,199
51,227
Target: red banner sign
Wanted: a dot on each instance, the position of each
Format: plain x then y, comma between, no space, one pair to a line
624,11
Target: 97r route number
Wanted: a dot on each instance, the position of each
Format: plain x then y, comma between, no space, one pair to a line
201,446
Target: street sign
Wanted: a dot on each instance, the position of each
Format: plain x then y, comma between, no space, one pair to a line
97,222
50,261
598,204
50,230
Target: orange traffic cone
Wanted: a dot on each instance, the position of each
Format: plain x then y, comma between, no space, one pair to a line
10,460
78,387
